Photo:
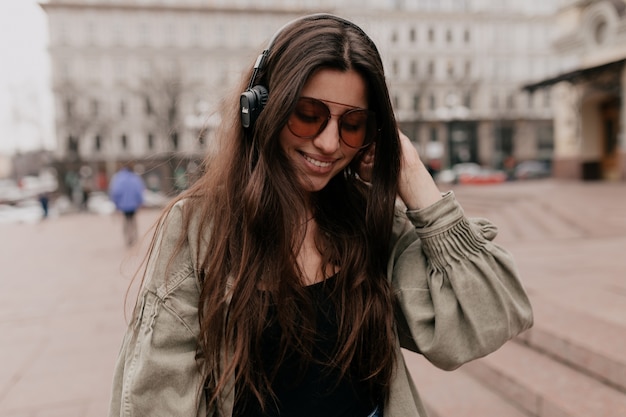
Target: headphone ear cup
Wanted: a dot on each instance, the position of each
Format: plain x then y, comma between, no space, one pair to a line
251,102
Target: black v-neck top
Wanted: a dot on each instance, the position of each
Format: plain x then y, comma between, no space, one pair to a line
316,393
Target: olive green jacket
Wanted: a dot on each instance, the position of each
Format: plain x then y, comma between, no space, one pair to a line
459,299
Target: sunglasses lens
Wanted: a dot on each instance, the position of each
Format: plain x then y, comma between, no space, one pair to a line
356,128
308,119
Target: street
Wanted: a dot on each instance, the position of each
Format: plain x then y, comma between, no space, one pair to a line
63,284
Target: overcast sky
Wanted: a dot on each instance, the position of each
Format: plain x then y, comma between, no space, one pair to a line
25,98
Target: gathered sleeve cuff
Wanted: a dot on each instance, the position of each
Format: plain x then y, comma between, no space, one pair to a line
459,296
446,234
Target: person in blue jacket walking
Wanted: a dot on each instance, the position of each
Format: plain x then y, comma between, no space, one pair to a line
126,191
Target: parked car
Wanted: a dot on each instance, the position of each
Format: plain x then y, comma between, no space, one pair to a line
10,192
470,173
484,176
532,170
451,175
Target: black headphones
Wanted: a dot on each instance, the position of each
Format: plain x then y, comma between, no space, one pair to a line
252,101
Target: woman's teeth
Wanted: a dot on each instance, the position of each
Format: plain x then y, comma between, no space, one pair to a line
316,162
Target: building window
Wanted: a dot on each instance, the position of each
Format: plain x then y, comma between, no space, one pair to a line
145,68
433,134
449,36
504,145
396,102
65,70
413,68
124,141
69,107
120,68
97,145
529,97
510,102
431,35
144,33
394,67
495,102
170,33
122,108
94,108
546,98
432,102
468,68
545,141
174,139
466,36
72,144
221,34
412,35
450,69
118,34
394,36
92,67
91,33
431,68
63,36
148,106
416,102
467,100
195,33
150,141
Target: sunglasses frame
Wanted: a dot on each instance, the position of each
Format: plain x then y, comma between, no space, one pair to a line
370,114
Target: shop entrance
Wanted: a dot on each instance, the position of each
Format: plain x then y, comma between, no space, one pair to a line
609,117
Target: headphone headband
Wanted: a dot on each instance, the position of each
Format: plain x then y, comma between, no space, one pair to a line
252,101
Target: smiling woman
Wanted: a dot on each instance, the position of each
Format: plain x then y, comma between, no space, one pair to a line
314,247
25,95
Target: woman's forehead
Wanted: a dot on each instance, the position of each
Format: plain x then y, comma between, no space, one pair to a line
337,86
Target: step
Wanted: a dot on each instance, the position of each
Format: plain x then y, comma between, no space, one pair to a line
455,394
539,214
591,219
544,387
586,343
523,218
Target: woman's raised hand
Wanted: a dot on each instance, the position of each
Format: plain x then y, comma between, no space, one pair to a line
416,186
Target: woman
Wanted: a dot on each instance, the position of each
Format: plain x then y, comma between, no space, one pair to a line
314,247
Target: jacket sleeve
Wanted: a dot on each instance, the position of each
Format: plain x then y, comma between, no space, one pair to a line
458,294
156,372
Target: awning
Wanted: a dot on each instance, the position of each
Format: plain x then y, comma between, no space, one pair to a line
581,74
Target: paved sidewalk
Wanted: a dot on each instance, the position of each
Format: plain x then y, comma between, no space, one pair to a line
62,289
63,282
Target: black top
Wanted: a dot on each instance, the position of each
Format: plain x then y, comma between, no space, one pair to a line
316,393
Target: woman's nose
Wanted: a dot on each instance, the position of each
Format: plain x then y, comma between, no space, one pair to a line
328,140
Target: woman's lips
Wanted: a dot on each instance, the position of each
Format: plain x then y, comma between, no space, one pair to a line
317,162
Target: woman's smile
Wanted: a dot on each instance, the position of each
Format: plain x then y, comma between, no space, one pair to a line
317,162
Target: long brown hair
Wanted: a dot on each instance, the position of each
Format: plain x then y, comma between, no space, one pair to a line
248,209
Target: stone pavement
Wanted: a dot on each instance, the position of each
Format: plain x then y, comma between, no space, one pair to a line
62,288
63,284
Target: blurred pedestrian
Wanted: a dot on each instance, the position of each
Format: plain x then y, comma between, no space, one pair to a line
126,191
44,200
314,246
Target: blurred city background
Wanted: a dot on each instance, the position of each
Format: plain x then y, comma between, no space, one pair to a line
516,105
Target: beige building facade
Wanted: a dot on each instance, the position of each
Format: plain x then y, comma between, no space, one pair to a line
142,80
590,117
455,71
